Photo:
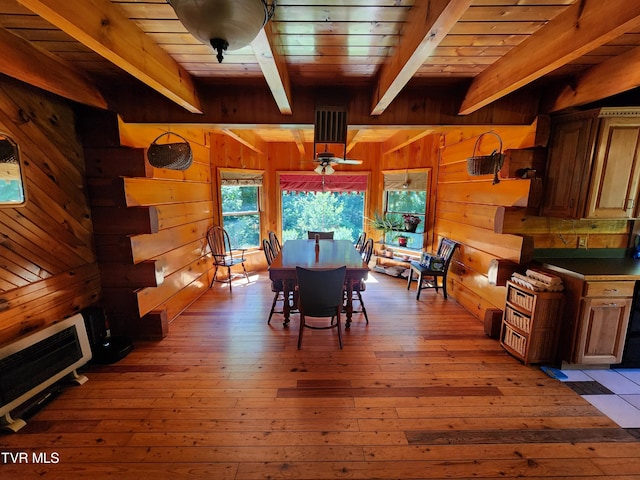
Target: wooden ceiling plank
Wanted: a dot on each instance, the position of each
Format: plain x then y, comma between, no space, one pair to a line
104,28
427,24
611,77
274,69
31,65
581,28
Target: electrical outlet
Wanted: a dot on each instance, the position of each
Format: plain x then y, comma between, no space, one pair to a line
582,242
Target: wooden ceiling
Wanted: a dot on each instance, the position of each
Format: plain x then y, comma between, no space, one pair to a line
587,49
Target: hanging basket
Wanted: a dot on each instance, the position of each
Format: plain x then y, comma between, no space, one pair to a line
486,164
174,156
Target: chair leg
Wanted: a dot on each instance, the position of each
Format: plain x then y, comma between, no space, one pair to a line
339,327
364,310
245,273
409,279
301,330
419,286
215,273
273,306
444,287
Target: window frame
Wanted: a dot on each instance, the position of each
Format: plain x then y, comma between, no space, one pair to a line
424,216
259,202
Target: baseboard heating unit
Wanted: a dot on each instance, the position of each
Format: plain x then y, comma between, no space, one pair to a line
33,363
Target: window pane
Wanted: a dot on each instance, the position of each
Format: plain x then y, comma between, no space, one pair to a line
407,202
239,199
342,213
243,230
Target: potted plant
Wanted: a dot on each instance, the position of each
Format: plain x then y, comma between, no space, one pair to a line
384,224
403,240
411,222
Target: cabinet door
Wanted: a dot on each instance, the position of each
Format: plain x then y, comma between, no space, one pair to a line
614,182
568,164
602,330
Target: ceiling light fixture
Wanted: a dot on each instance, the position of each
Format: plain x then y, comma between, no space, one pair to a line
224,24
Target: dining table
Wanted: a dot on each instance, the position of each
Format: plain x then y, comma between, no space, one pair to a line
320,255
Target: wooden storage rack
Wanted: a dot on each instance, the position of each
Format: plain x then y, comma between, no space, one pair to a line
531,324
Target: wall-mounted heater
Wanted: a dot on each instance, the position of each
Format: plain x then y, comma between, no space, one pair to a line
35,362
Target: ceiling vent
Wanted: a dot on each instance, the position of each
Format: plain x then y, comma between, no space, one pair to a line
330,125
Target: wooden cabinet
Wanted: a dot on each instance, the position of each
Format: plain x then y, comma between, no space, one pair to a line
568,164
613,191
593,168
602,323
531,324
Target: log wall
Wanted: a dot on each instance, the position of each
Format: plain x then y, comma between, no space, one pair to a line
48,268
150,225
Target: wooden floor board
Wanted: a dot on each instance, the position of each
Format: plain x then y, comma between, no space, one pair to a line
419,393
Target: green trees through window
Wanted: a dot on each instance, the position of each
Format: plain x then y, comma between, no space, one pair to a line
342,213
241,215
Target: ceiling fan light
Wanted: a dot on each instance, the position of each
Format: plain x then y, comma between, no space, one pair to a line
214,22
329,170
319,169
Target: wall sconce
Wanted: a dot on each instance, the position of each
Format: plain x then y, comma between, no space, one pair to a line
224,24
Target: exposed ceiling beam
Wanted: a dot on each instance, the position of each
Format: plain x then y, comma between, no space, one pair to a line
579,29
103,27
31,65
273,68
427,24
298,137
614,76
244,137
404,138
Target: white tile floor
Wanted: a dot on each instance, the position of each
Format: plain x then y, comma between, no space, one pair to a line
623,407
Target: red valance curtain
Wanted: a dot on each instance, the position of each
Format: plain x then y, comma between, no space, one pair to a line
295,182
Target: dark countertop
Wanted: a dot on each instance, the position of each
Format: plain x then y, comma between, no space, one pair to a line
622,268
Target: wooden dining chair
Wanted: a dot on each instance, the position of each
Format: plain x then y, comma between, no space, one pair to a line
223,255
275,243
360,242
433,273
321,235
277,286
320,294
361,286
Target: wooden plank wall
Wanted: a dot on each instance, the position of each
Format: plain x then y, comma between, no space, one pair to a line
150,225
466,208
48,268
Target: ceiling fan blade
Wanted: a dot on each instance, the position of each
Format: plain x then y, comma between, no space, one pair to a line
348,161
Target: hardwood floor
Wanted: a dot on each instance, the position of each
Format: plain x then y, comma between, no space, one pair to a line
419,393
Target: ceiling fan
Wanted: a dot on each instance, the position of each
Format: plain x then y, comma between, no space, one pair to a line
325,161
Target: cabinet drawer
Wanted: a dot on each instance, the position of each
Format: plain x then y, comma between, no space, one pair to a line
517,319
520,298
609,289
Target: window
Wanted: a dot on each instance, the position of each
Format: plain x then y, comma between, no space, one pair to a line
240,193
405,196
322,203
12,185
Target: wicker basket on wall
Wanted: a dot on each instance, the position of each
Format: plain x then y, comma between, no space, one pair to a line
174,156
486,164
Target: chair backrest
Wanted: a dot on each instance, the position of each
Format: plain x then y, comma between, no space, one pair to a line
269,254
320,292
360,242
367,250
321,235
219,244
275,243
445,250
